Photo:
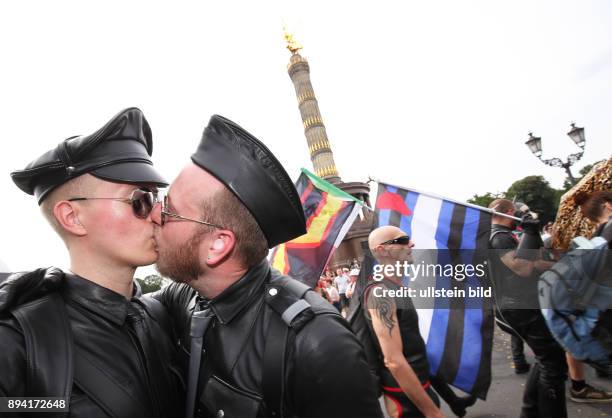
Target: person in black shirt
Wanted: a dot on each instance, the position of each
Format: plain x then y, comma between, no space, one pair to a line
405,378
516,283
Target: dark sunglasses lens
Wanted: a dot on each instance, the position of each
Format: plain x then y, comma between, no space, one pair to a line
402,240
142,203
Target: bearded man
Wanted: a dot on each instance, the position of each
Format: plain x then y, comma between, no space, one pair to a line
258,344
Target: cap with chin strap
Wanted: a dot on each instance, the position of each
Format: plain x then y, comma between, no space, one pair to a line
120,152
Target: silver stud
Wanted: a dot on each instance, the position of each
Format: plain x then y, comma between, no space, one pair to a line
273,291
220,413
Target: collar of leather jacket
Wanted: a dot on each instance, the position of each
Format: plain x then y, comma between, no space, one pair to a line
499,227
97,299
239,295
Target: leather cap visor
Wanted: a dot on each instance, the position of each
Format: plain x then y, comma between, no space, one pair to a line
120,151
131,172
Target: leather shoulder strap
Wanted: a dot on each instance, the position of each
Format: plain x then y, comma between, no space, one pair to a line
274,361
285,296
495,232
49,347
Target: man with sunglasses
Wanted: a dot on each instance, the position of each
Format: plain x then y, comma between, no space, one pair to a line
82,335
405,376
258,344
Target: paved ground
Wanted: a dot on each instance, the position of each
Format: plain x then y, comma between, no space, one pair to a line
505,394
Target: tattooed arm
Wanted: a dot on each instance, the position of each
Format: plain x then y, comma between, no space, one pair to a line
383,311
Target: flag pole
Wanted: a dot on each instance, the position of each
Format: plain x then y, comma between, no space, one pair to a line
470,205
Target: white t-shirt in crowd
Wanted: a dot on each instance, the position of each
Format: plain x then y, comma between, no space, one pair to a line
341,283
332,293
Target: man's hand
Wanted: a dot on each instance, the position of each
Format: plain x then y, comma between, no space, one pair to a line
21,288
530,225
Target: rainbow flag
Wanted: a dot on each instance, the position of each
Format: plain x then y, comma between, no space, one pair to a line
329,212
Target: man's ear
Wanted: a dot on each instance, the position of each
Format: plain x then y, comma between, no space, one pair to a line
67,216
220,246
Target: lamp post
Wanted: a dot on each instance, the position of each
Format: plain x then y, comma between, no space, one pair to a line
576,134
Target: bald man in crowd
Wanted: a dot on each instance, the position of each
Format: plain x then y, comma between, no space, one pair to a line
405,377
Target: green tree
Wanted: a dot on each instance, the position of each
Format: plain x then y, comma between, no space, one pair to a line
536,192
151,283
567,184
484,199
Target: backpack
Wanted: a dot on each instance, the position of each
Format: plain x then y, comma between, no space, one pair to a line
572,297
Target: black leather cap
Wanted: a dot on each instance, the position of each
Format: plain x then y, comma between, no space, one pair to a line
248,168
120,152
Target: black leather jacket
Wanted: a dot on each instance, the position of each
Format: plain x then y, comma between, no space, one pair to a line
122,339
326,374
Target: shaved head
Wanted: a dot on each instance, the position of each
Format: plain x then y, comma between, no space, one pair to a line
82,185
382,234
389,253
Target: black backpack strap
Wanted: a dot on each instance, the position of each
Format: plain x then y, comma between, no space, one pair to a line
364,307
495,232
274,365
285,296
49,347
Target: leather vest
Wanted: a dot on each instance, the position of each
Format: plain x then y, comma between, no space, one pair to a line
414,349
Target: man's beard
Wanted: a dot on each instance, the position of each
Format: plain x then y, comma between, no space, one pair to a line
181,263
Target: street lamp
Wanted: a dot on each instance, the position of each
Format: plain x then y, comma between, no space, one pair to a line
576,134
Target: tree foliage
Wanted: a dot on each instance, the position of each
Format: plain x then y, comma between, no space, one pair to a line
485,199
536,193
151,283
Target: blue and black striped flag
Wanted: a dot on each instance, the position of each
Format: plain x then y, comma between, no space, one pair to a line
458,332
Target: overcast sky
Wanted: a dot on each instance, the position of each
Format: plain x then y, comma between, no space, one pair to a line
436,95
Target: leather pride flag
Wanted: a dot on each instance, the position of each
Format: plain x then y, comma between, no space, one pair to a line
458,333
329,212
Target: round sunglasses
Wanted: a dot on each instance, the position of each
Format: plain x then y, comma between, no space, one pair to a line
142,201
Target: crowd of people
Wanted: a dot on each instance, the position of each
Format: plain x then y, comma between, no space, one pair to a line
231,336
338,287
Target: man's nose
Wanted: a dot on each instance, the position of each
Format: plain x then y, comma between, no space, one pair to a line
156,213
